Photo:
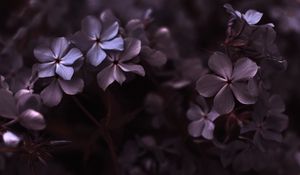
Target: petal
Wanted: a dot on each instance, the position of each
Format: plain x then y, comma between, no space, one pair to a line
7,104
220,64
43,54
252,17
59,46
195,128
71,87
270,135
114,44
32,119
277,122
132,49
118,74
110,32
96,55
137,69
73,55
65,72
241,93
209,85
195,112
276,104
244,69
52,94
224,101
10,139
208,130
46,70
213,115
80,40
92,27
105,77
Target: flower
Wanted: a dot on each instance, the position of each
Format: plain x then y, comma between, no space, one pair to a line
228,81
57,59
119,63
53,93
97,36
202,120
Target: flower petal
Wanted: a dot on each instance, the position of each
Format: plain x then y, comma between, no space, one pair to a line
59,46
65,72
244,69
43,54
209,85
96,55
118,74
213,115
224,101
252,17
114,44
71,87
137,69
7,104
208,130
220,64
110,32
52,94
46,70
131,50
73,55
10,139
195,128
80,40
105,77
241,93
32,119
92,27
270,135
195,112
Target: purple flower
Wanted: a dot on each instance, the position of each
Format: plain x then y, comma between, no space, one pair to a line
57,59
98,36
202,120
119,63
53,93
228,81
10,139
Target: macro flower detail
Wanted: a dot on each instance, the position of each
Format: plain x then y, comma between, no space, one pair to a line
201,120
121,63
99,36
228,82
57,59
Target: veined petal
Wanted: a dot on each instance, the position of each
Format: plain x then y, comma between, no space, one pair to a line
43,54
224,101
73,55
131,50
65,72
110,32
96,55
46,70
114,44
241,93
209,85
59,46
137,69
244,69
221,65
92,27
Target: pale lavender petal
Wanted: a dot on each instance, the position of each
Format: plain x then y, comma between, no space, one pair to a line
241,93
110,32
208,130
195,112
65,72
220,64
224,101
43,54
137,69
105,77
213,115
114,44
8,107
118,74
131,50
32,119
52,94
252,17
244,69
59,46
209,85
73,55
46,70
195,128
11,139
96,55
71,87
92,27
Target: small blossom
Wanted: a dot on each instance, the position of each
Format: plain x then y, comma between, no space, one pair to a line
228,82
57,59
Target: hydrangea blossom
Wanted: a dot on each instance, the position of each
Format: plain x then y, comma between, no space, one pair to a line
98,36
57,59
202,120
228,82
119,63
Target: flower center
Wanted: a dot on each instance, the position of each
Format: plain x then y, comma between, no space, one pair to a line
115,62
229,81
57,61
